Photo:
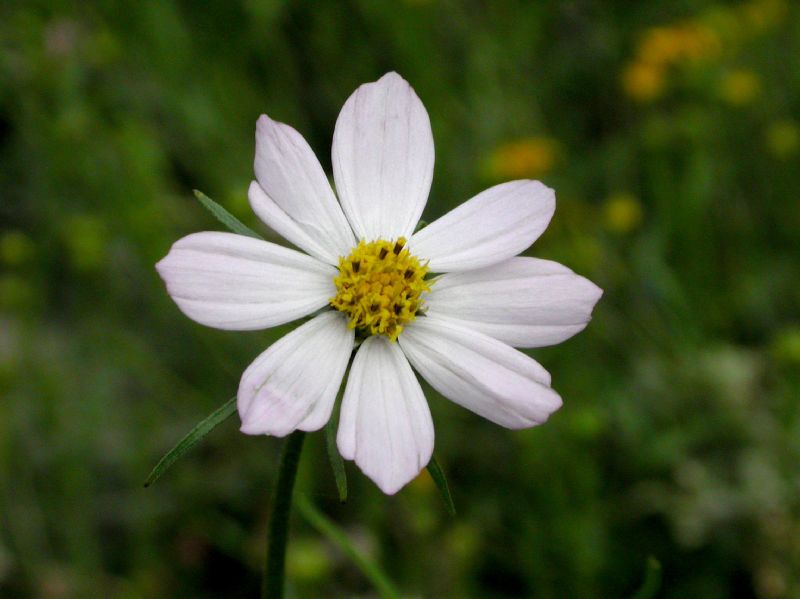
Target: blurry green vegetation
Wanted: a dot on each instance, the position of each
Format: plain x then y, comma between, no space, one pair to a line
670,132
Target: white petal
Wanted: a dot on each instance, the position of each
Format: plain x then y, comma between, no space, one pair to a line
383,158
385,424
235,282
525,302
296,199
480,373
493,226
293,384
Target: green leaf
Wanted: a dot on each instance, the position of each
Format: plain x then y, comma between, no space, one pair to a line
189,441
337,464
335,458
652,580
225,217
335,534
437,474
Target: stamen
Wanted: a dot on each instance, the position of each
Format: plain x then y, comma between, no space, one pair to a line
380,287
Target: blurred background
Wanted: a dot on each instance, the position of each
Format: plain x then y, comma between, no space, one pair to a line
670,132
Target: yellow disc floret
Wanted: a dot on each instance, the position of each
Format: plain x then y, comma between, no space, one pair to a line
379,287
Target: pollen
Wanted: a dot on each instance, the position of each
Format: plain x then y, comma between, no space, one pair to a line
380,286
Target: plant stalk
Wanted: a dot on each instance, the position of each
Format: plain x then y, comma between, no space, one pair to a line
278,533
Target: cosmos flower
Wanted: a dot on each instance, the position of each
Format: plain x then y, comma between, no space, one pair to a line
451,300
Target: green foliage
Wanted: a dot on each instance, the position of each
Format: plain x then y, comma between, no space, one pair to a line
326,527
192,438
652,580
225,217
674,155
337,464
437,474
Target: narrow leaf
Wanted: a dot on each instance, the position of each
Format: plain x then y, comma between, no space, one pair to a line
437,474
189,441
225,217
337,536
652,580
337,464
335,458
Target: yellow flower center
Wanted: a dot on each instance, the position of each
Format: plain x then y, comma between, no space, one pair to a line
379,287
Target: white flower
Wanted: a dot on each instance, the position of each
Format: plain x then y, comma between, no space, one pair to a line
364,261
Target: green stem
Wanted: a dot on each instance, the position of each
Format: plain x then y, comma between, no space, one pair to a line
272,587
319,521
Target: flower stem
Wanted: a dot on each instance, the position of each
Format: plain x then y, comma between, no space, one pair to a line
277,535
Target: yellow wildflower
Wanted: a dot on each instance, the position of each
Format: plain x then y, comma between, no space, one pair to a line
664,46
699,42
525,158
622,212
783,138
740,87
643,81
660,46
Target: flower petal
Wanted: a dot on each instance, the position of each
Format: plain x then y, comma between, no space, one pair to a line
525,302
480,373
385,424
383,158
293,384
495,225
296,198
235,282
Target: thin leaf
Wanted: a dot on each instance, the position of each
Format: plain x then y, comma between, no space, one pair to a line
652,580
225,217
437,474
337,463
335,458
330,530
189,441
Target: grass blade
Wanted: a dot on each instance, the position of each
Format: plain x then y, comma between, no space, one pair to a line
652,580
337,536
190,440
337,463
437,474
225,217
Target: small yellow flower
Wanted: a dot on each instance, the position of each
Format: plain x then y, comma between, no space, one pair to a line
699,42
664,46
740,87
783,138
643,81
659,46
622,212
524,158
